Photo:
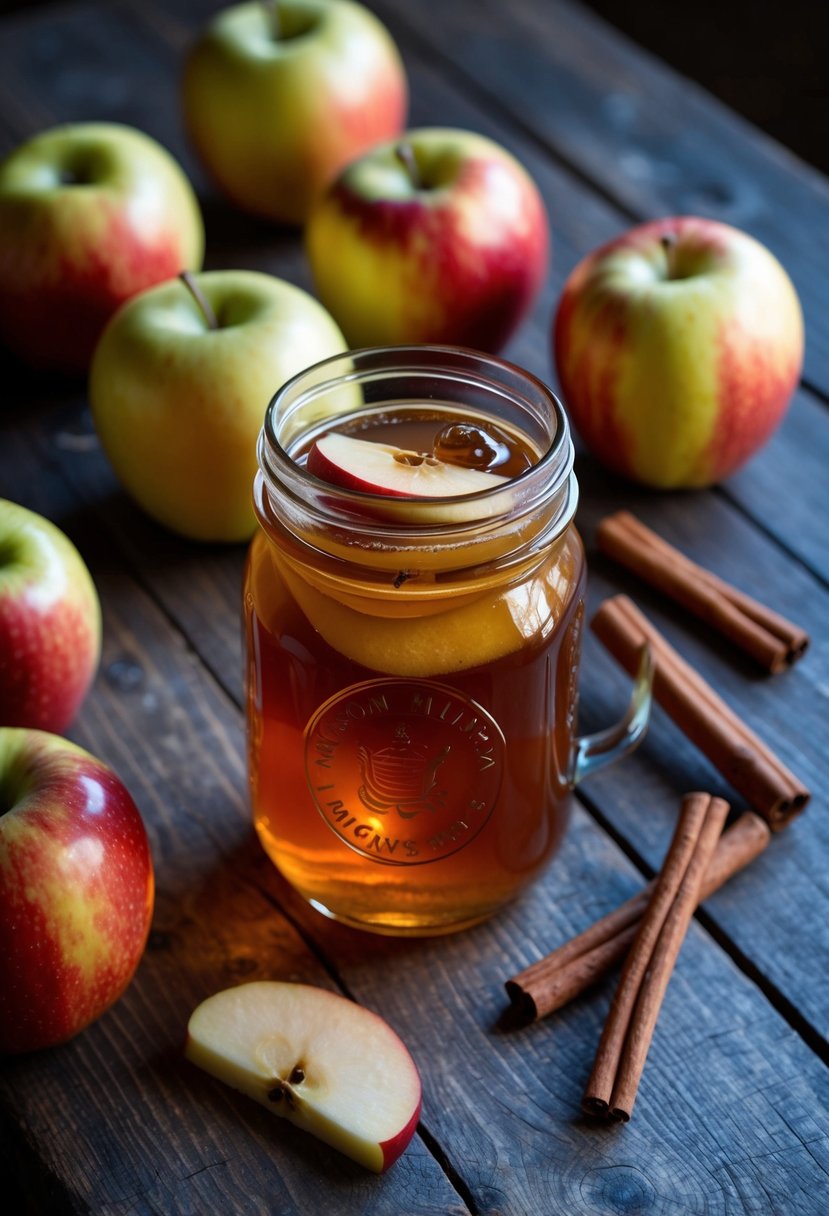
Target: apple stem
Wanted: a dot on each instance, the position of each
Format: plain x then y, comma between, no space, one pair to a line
273,16
668,243
406,156
201,299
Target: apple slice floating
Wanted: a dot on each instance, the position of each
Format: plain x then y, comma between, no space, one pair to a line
331,1067
381,468
405,477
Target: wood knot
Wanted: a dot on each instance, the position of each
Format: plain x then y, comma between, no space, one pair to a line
618,1188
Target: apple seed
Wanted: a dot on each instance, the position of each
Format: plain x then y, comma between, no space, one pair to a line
415,458
282,1090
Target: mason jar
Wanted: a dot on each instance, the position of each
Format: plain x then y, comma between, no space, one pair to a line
412,660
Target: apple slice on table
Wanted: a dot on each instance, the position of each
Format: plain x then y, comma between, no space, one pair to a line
331,1067
391,472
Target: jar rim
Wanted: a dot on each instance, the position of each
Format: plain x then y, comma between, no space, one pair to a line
489,373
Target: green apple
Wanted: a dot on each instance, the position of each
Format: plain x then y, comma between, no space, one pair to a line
330,1066
278,97
179,394
90,214
76,889
678,347
50,623
440,237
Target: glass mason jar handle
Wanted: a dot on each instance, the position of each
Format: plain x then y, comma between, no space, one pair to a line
592,752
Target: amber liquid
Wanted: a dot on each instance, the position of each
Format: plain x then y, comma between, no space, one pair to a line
409,765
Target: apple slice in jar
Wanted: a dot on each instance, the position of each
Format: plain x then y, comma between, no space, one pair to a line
330,1066
386,471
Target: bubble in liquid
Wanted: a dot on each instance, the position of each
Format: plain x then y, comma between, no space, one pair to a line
474,447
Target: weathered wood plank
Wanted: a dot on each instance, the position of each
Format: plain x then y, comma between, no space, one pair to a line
91,62
581,220
731,1116
501,1123
652,141
427,988
116,1120
181,575
799,451
779,933
725,1120
788,479
580,217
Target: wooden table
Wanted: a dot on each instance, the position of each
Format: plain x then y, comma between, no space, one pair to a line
732,1111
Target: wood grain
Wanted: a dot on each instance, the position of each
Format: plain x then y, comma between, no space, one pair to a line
706,526
649,140
182,1142
116,1121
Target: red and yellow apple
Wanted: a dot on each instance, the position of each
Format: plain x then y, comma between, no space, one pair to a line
90,214
278,97
179,394
438,237
76,889
50,623
330,1066
678,347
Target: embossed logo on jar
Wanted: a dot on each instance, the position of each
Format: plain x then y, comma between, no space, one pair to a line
404,771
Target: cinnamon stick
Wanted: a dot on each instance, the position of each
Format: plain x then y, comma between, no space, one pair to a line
745,761
617,1069
562,975
765,635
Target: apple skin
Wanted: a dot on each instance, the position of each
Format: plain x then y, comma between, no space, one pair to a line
178,406
274,119
90,214
676,363
454,252
76,889
50,623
